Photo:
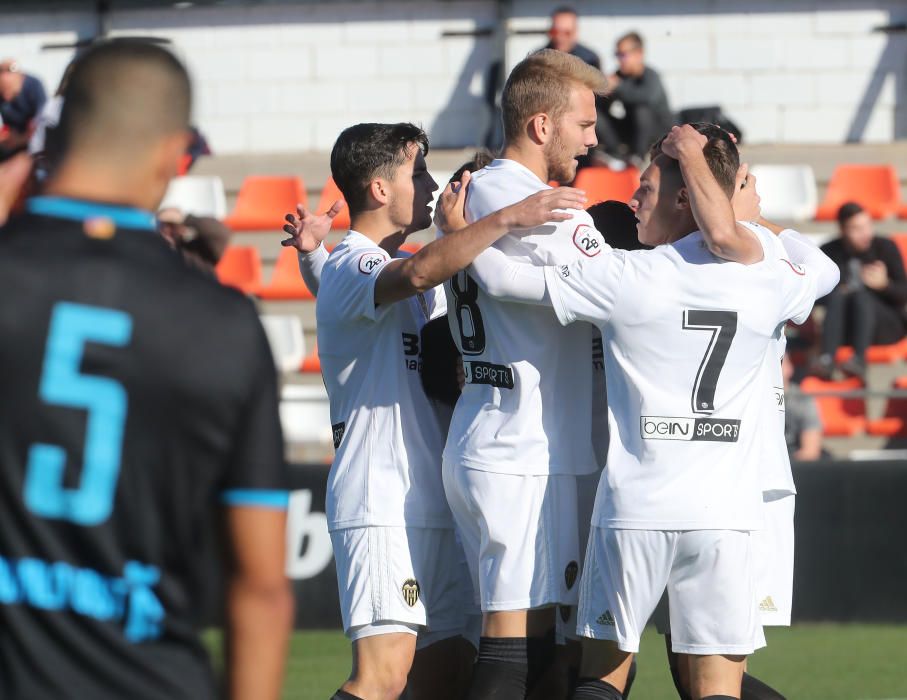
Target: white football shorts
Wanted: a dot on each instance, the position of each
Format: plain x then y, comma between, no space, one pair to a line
401,579
773,555
519,534
708,576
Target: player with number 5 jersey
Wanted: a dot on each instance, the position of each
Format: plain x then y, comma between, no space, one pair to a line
138,413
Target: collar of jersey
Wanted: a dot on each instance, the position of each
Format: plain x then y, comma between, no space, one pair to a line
80,210
507,163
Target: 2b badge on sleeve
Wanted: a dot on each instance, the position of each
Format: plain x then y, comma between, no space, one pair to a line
589,241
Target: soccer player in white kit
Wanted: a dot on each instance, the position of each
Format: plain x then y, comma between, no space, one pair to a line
521,431
773,545
686,335
398,562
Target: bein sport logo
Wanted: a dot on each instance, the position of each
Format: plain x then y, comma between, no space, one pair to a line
689,429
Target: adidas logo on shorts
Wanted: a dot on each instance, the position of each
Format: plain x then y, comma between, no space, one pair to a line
606,618
768,605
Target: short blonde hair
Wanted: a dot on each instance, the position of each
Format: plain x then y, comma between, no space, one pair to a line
542,83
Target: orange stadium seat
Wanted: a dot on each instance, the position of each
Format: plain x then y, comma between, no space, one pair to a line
902,211
240,267
875,187
264,201
602,184
877,354
894,422
311,363
330,194
286,282
411,248
841,416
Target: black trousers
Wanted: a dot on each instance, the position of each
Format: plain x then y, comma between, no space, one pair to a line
632,134
859,318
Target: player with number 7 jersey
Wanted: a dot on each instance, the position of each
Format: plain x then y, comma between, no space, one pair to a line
685,334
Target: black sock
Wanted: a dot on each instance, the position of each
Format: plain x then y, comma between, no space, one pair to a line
631,676
500,670
720,697
343,695
681,693
595,689
754,689
539,657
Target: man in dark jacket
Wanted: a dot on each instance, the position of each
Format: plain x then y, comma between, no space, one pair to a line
639,89
867,306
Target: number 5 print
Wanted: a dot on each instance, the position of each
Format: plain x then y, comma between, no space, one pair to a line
71,327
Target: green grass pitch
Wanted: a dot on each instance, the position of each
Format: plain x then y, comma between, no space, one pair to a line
805,662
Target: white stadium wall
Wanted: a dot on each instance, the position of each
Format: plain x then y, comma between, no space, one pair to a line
286,77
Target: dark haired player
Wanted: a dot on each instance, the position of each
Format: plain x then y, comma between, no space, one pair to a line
399,567
139,403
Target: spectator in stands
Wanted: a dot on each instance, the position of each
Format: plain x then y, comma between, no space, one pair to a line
21,100
802,425
639,89
562,36
867,306
201,240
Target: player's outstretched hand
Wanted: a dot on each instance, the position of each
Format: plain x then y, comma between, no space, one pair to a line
746,200
307,230
450,211
546,206
682,138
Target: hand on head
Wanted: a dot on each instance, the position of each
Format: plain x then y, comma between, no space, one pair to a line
746,201
680,138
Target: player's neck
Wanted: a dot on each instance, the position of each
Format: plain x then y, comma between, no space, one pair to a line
378,229
108,185
528,155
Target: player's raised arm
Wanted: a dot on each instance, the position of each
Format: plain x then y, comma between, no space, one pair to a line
439,260
799,249
307,233
709,202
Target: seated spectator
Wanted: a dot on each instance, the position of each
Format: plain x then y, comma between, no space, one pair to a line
21,100
867,306
802,425
647,115
201,240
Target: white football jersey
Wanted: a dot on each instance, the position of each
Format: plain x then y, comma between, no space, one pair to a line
527,405
388,439
686,337
776,475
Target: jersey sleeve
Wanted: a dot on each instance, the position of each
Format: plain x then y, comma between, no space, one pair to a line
257,472
797,287
587,289
310,267
354,294
503,278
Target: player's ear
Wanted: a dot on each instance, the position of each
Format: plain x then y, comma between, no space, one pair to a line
540,128
682,200
378,190
169,154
